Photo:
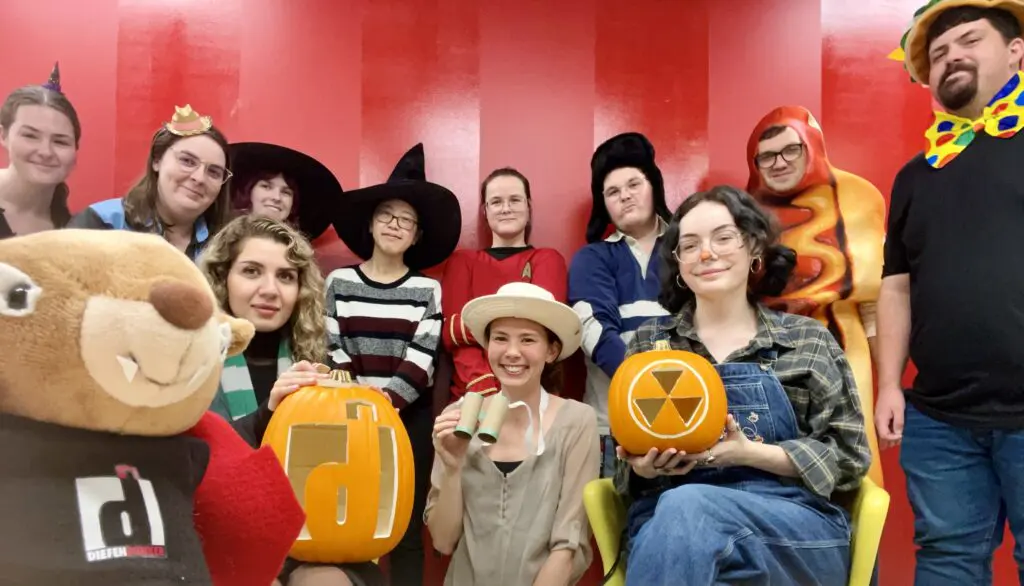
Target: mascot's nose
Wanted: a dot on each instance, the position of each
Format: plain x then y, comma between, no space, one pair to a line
185,306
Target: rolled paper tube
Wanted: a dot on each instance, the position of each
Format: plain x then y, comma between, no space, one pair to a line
490,427
471,403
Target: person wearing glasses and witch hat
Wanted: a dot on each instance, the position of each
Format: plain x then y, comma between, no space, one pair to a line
384,316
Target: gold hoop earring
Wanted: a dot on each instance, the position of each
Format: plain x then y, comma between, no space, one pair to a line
756,264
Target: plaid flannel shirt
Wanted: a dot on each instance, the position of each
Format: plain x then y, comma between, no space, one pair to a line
832,451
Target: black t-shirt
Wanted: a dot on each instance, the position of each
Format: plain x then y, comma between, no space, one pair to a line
88,508
959,233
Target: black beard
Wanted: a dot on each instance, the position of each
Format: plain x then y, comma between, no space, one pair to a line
956,96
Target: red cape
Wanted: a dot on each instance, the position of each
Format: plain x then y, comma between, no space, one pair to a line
245,510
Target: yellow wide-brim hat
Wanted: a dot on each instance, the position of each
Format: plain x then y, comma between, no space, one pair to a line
915,41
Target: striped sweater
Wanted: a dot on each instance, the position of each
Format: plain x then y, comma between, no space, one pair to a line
386,335
613,286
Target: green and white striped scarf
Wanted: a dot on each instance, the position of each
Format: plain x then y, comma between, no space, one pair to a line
235,397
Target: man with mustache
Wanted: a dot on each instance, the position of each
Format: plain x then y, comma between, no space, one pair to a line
952,294
835,221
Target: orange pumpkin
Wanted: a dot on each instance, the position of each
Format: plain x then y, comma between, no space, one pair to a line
664,399
349,460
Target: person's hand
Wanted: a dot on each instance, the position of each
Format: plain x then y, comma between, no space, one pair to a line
450,447
732,450
386,395
655,463
301,374
889,409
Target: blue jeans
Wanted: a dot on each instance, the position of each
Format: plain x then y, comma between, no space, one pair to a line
963,486
749,534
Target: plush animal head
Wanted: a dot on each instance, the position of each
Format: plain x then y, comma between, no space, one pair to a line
109,331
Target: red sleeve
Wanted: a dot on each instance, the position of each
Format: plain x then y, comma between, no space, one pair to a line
245,510
549,272
455,293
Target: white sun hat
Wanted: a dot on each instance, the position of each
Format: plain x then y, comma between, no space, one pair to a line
524,301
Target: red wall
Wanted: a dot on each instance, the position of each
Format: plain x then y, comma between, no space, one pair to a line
530,83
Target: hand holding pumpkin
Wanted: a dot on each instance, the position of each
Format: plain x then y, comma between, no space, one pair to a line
668,463
448,446
301,374
733,450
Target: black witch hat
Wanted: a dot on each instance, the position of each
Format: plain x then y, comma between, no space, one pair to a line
319,192
440,216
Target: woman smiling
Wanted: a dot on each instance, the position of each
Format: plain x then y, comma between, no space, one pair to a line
183,194
40,130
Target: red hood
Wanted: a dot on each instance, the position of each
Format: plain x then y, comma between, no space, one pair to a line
819,170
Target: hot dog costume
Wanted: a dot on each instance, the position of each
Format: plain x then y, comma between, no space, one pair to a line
113,471
836,223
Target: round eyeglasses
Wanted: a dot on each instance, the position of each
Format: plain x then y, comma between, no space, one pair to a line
789,153
725,242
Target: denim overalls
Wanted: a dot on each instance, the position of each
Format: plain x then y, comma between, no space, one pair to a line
740,525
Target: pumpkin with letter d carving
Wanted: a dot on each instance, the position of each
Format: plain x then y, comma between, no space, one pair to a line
665,399
349,460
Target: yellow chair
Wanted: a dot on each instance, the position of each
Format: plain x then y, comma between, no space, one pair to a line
607,514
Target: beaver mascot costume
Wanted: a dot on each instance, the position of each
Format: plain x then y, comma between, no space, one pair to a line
112,471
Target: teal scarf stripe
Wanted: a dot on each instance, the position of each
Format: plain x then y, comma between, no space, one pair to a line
235,397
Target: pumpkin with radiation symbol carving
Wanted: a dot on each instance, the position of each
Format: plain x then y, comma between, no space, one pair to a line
665,399
349,460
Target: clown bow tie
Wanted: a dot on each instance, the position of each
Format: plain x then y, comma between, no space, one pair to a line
949,135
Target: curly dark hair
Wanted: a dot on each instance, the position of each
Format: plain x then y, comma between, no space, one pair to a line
760,232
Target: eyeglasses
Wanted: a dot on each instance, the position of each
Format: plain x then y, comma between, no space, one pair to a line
189,163
722,243
789,153
633,186
515,202
385,217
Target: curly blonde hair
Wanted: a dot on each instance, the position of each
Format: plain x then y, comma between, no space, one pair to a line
308,336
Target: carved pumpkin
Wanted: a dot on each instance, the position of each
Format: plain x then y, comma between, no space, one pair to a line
664,399
349,460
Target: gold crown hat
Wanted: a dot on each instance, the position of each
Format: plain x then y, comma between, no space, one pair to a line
188,122
913,49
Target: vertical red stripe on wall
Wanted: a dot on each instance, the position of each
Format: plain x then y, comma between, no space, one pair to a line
167,56
37,33
302,70
537,110
868,104
420,84
763,54
652,77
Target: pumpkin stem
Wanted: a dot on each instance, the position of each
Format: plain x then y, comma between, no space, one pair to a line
343,376
662,345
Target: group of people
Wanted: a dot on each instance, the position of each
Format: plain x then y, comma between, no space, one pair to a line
781,286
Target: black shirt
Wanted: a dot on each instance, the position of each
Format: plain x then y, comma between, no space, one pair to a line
82,507
959,233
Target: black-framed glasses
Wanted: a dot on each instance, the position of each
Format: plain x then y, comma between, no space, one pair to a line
789,153
189,163
722,242
385,217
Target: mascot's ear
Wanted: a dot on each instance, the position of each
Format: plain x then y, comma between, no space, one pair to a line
241,333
